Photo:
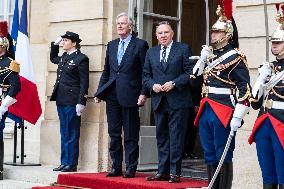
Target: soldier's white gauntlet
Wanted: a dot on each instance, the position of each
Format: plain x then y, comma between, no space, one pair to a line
264,72
6,102
238,115
198,68
205,54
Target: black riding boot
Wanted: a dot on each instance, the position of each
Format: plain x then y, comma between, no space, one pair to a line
269,186
210,172
1,158
226,176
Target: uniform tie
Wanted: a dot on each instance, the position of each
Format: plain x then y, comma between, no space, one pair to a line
120,52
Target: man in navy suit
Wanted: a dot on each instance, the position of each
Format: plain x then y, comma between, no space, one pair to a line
166,75
121,88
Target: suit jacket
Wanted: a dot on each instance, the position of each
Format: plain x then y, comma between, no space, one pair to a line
127,77
72,83
178,70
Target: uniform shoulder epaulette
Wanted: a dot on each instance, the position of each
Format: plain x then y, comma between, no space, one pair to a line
242,55
240,52
14,66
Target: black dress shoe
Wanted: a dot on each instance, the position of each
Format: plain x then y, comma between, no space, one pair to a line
193,156
174,179
129,173
69,168
114,173
59,168
158,177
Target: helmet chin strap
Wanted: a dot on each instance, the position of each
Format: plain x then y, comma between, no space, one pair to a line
218,45
280,55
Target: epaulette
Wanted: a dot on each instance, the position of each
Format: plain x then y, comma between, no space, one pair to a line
14,66
242,55
240,52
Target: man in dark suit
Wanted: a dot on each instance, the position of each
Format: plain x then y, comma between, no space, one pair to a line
121,88
70,93
166,75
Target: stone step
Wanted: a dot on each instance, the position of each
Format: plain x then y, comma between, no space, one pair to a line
33,174
15,184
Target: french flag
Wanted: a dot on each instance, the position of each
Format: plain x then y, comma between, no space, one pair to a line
28,105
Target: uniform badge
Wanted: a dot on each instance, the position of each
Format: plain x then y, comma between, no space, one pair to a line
71,63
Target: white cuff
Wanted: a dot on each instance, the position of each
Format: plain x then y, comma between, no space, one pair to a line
8,101
240,111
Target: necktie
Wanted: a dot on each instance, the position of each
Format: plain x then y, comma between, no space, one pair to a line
120,52
164,61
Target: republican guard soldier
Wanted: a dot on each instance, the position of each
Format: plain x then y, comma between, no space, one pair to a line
268,97
9,84
70,93
225,95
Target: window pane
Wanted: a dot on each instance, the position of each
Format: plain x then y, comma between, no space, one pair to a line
149,32
163,7
1,8
11,6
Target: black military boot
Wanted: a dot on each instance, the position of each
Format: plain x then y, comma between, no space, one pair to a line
269,186
1,158
226,176
210,172
281,186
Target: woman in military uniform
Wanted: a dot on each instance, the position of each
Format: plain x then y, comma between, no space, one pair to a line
70,93
9,84
225,74
268,97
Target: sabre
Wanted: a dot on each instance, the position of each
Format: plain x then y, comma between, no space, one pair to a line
231,136
207,22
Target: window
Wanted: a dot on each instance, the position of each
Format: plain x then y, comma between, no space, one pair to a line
7,11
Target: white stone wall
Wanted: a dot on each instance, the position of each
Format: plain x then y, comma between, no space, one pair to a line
94,21
249,16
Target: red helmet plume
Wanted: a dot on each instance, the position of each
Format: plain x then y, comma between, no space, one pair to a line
3,28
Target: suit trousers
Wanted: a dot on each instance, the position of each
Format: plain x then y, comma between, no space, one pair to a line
191,133
170,133
270,154
126,118
70,133
213,137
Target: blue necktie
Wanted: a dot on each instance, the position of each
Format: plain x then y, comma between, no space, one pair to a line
120,52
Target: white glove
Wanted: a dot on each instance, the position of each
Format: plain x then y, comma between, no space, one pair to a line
57,40
2,111
265,71
239,113
258,88
235,123
79,109
8,101
198,68
206,53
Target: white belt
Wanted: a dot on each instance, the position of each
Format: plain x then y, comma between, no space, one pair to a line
272,104
215,90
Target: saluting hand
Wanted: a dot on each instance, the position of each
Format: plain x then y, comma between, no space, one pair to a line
157,88
168,86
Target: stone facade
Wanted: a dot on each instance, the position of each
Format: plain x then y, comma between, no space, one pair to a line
94,20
